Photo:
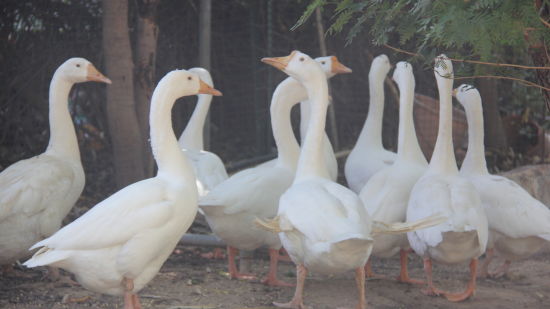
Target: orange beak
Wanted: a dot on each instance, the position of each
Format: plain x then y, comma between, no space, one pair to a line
206,89
279,62
337,67
94,75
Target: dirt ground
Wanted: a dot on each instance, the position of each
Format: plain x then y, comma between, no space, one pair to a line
187,281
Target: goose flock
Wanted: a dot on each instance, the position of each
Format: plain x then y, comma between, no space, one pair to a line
395,203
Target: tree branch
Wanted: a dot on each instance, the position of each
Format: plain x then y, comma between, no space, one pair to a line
522,81
399,50
472,61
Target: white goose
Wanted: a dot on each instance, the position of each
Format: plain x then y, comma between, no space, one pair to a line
120,244
231,207
386,194
519,224
331,66
32,203
323,225
368,156
463,236
209,168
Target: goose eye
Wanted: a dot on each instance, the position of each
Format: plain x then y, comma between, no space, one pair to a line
78,65
322,62
189,78
302,59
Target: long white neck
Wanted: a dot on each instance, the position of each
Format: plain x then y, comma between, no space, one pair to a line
443,159
311,162
474,162
170,160
192,136
407,145
371,134
305,111
329,160
285,96
63,141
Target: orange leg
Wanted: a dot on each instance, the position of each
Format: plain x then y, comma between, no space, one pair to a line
501,270
135,302
130,298
233,272
56,276
470,289
297,301
360,281
431,290
404,274
484,269
369,273
283,255
271,278
454,297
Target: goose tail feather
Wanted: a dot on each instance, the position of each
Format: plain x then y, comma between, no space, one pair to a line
46,256
404,227
271,225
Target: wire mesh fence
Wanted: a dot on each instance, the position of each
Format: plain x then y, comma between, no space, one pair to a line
38,36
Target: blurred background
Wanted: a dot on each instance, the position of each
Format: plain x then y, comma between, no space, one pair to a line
136,42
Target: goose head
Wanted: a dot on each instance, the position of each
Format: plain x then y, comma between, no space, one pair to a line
297,65
443,68
403,73
79,70
332,66
380,67
203,74
467,95
444,77
187,83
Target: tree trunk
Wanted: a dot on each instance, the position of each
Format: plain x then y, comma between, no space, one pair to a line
205,40
331,120
146,47
494,130
124,129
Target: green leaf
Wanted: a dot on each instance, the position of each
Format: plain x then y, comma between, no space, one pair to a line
307,13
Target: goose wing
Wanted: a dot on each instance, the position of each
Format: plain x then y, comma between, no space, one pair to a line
142,206
30,186
511,210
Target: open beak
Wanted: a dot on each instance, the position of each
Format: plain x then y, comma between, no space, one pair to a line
206,89
338,68
94,75
279,62
455,91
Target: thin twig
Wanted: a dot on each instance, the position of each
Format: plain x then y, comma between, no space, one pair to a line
546,53
547,24
399,50
519,66
524,82
472,61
